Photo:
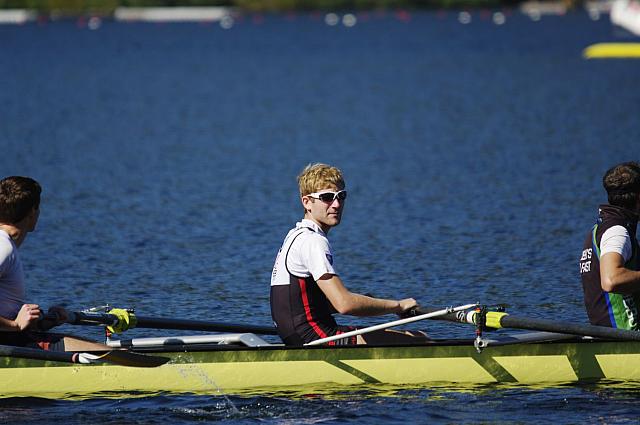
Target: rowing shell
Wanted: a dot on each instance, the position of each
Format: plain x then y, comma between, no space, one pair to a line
197,367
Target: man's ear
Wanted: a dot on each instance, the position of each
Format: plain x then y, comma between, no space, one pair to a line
29,217
32,218
306,203
35,212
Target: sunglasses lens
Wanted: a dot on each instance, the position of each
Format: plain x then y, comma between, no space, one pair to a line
331,196
326,197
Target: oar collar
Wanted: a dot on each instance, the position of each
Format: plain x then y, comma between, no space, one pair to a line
126,319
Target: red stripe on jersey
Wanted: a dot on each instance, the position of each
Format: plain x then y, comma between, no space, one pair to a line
307,311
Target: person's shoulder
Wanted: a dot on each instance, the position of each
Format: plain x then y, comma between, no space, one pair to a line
6,248
616,239
309,235
313,239
616,231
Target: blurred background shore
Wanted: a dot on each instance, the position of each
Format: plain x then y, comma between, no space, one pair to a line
223,11
104,8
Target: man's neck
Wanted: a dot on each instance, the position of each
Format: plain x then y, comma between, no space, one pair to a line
323,227
15,233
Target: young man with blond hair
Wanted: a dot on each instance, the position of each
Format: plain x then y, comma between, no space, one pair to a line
21,323
305,288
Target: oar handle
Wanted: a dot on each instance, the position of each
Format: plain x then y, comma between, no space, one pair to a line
91,318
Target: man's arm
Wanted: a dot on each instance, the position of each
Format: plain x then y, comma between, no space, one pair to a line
346,302
28,314
615,277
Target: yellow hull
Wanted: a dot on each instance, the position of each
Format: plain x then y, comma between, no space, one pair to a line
256,369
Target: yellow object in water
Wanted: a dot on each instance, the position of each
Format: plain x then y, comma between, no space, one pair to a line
612,50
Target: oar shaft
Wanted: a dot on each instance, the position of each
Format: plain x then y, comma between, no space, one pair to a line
513,322
391,324
93,318
458,316
118,357
503,320
184,324
37,354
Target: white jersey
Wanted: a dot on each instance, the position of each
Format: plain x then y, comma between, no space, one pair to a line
12,287
305,253
616,239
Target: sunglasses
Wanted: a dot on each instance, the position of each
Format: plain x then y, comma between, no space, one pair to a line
329,196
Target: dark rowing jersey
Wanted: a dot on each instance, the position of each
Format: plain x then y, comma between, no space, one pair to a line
608,308
299,308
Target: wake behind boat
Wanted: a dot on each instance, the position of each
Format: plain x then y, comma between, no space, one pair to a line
244,362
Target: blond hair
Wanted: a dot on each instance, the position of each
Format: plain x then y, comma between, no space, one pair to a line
318,176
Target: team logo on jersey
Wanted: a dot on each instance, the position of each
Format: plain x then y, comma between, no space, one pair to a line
329,258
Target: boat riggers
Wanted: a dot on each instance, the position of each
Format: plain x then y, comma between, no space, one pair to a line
498,319
118,320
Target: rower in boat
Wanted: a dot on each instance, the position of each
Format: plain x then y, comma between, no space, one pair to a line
21,323
611,256
305,287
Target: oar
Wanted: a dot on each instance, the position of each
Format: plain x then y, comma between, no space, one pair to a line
118,357
119,322
497,320
429,315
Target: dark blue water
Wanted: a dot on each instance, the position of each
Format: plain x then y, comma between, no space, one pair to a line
168,153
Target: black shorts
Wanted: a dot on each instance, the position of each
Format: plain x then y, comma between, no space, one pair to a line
42,340
352,340
297,340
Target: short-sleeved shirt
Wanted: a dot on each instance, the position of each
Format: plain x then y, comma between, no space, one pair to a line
616,239
13,296
12,286
308,254
299,308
